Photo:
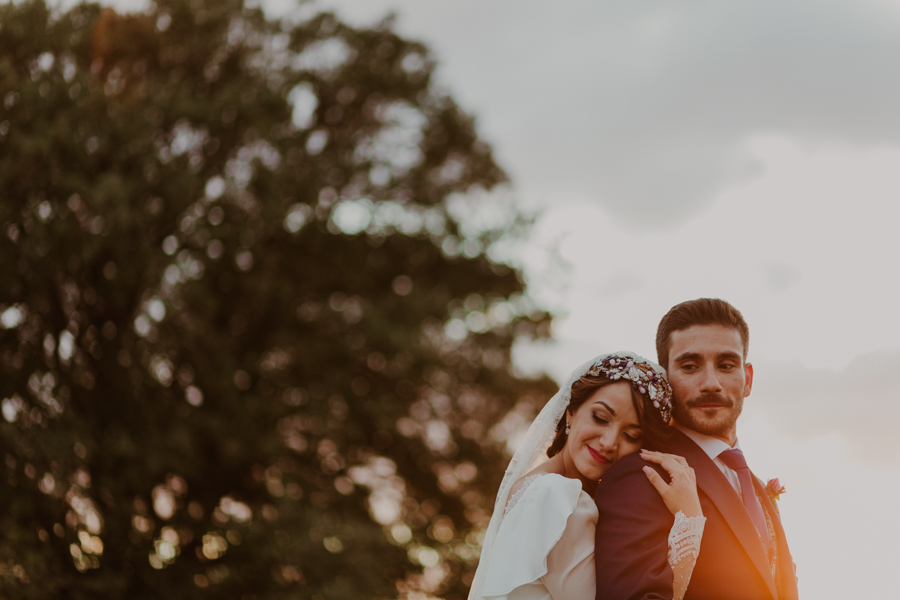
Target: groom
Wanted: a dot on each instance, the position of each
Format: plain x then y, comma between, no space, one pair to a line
744,553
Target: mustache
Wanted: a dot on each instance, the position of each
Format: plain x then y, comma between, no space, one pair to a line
709,398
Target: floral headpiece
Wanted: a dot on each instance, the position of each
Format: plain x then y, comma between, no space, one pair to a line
645,377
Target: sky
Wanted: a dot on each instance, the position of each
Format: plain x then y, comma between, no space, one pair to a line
746,151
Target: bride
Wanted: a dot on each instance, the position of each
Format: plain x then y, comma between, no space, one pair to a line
540,541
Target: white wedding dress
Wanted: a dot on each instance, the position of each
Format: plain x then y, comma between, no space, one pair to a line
544,549
540,541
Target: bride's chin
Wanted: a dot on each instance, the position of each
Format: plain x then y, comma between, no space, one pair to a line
594,473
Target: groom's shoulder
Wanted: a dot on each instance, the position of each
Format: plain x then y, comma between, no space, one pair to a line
627,464
626,483
630,469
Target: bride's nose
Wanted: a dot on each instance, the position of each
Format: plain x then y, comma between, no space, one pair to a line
608,441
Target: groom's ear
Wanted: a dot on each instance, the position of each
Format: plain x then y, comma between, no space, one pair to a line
748,378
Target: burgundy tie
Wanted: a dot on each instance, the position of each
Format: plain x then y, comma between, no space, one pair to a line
734,459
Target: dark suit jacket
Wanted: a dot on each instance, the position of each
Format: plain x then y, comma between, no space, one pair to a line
633,528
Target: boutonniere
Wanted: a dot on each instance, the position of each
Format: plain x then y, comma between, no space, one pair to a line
774,489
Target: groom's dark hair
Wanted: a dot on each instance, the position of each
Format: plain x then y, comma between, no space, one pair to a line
702,311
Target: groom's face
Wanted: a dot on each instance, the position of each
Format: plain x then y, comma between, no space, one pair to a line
709,379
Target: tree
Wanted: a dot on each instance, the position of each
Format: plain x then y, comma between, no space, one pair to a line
256,315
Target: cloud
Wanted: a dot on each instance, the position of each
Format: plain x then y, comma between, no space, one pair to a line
861,403
807,251
645,107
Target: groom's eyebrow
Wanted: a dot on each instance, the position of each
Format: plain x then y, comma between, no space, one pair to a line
698,356
688,356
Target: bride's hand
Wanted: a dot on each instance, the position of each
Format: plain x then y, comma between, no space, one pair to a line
681,492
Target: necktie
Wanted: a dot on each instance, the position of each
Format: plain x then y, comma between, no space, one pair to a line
734,459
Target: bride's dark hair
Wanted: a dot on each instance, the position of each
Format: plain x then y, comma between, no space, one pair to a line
654,429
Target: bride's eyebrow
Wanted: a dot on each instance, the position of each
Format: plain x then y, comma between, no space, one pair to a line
608,407
613,413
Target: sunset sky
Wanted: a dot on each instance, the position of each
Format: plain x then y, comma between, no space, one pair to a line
744,151
749,152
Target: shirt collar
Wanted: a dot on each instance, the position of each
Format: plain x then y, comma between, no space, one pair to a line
712,446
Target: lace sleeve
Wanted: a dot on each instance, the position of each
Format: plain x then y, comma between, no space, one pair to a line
684,546
519,493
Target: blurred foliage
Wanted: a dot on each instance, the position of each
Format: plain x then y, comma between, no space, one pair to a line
255,321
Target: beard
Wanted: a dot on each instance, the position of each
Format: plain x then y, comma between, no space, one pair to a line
713,426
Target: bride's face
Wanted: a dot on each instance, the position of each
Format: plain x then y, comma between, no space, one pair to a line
602,430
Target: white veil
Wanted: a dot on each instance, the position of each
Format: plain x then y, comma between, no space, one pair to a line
538,438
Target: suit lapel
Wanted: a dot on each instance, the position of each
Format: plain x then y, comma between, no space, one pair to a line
714,484
785,562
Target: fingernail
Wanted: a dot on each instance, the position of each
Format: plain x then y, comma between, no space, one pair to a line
647,469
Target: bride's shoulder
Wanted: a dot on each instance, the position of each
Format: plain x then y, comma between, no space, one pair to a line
519,487
543,491
537,480
530,477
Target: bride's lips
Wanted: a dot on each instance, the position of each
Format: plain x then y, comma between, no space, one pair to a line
598,457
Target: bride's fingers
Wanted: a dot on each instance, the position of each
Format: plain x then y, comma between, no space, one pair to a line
679,459
680,494
653,456
666,461
657,481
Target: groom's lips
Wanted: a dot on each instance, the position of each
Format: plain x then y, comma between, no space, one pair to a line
599,457
709,404
709,400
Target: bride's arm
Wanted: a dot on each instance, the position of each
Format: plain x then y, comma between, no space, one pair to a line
680,496
684,547
532,525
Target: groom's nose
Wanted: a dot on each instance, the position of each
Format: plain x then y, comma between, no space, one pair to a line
710,381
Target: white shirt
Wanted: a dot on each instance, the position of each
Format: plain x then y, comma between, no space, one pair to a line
713,448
